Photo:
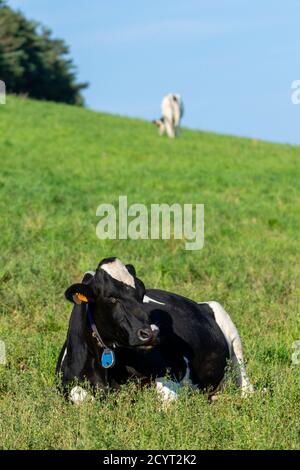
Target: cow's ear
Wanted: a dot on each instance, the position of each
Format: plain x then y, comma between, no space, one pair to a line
79,293
131,269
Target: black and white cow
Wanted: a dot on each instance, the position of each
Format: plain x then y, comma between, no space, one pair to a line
172,112
119,330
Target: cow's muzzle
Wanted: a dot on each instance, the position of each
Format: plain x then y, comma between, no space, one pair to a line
148,336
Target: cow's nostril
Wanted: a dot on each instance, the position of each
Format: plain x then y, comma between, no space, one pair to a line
145,335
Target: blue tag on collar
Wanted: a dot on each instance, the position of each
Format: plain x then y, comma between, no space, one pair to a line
107,358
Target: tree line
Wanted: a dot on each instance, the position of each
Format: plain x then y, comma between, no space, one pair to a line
34,63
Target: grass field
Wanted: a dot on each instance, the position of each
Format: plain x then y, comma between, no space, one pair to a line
58,163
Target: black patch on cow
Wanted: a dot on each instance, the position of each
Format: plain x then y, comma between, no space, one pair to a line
131,269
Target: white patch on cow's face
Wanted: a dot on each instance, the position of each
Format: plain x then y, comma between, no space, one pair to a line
78,394
117,270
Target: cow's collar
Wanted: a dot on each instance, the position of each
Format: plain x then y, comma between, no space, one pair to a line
108,356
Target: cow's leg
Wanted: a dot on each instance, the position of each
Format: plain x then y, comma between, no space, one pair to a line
237,359
167,389
176,112
235,347
162,129
169,128
78,395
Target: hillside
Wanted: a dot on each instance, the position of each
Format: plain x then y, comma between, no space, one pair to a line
58,163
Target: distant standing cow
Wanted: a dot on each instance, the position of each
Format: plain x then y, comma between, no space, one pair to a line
172,112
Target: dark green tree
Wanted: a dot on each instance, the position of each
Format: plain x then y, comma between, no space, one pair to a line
34,63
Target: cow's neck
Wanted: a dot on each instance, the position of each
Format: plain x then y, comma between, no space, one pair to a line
107,354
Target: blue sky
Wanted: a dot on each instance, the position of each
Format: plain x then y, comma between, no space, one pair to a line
233,61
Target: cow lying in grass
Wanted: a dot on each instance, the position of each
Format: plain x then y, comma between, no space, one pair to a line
119,330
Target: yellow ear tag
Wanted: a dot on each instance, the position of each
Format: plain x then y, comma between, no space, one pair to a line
81,298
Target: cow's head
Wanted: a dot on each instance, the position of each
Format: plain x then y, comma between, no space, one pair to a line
160,123
115,296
